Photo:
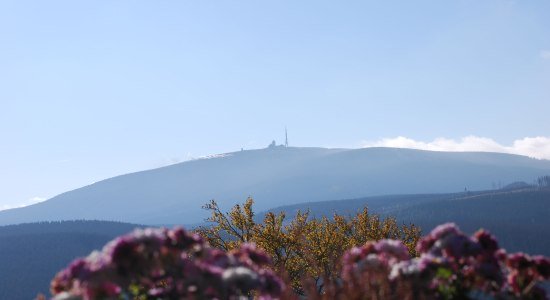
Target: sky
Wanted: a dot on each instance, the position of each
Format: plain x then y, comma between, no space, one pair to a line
95,89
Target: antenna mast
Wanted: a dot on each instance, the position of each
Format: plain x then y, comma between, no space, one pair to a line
286,137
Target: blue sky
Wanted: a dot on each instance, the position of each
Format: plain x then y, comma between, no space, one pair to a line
93,89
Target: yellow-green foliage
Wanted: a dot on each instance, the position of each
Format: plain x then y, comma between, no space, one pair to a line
304,247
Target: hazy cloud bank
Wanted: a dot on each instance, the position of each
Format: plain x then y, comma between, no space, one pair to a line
537,147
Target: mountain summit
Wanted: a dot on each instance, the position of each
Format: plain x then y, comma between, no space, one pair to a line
277,176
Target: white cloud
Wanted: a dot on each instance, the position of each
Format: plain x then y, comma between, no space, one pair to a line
536,147
545,54
30,201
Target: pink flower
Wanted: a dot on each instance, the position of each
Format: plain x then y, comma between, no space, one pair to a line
167,264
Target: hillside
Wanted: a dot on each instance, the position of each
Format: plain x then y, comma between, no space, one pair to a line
519,218
277,176
31,254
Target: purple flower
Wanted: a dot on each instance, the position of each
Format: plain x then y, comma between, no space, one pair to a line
174,264
393,248
451,265
486,240
519,261
543,266
167,264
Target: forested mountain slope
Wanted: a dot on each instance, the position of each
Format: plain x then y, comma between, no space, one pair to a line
519,218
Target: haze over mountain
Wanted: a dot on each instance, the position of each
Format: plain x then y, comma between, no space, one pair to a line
278,176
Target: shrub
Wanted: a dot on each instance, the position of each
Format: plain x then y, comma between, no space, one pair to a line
167,264
304,247
451,265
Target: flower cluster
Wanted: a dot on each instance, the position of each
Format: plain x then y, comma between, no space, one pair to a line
175,264
373,256
167,264
451,265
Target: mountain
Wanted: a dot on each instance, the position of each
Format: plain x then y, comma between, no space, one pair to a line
31,254
277,176
519,218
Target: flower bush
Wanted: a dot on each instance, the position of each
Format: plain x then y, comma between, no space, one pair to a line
167,264
451,265
174,264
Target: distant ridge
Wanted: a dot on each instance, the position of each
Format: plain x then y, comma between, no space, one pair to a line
278,176
520,217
